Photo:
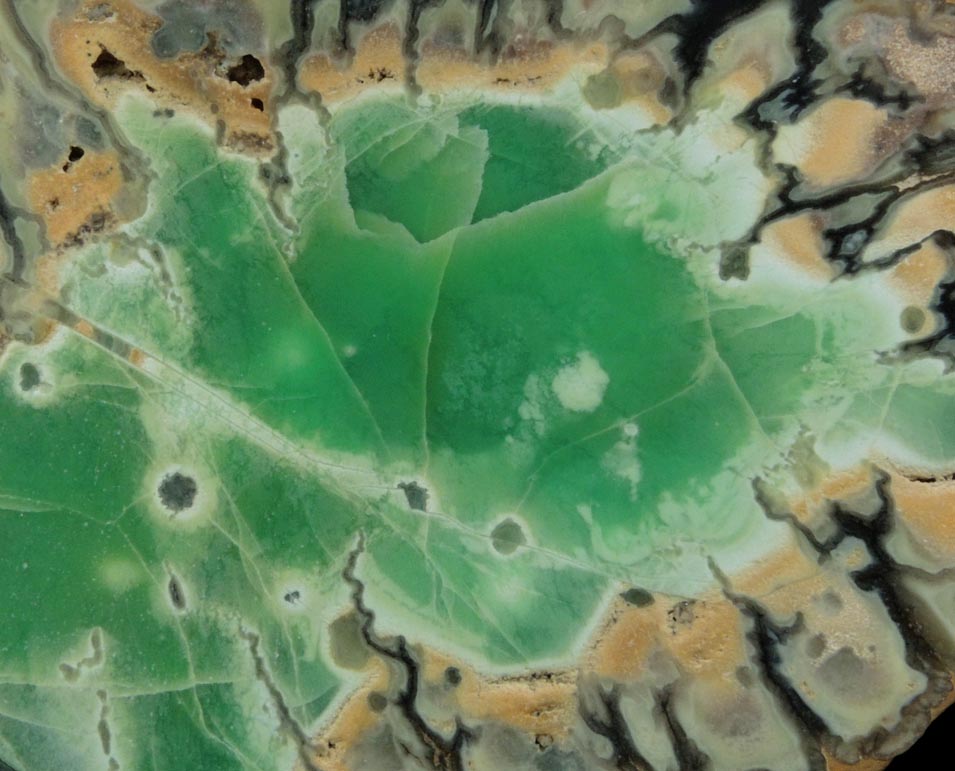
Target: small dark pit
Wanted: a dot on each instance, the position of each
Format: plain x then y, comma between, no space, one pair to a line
641,598
29,376
106,65
248,70
415,494
177,492
377,701
452,676
75,154
176,595
292,597
258,104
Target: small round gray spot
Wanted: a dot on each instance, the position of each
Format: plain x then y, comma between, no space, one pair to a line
507,537
177,491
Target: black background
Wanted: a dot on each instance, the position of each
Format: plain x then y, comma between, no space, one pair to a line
933,751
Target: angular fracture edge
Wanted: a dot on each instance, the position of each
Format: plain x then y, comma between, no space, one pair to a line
444,754
287,723
613,727
881,577
688,755
597,697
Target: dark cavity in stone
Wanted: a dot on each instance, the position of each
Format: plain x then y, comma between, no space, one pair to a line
416,495
292,597
74,155
248,70
107,65
507,537
177,491
639,597
29,376
176,595
258,104
452,676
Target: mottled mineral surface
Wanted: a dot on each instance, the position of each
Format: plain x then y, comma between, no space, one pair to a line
532,385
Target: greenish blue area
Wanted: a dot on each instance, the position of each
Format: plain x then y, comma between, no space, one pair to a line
457,306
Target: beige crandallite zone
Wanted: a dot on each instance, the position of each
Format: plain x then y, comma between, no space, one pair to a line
471,384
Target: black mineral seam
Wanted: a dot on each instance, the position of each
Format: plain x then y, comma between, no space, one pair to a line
10,235
689,756
881,578
766,636
287,722
302,16
614,728
444,754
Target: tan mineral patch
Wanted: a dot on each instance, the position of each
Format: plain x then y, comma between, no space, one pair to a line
928,511
642,77
916,218
530,64
826,157
866,764
918,275
194,82
788,571
353,720
798,241
76,196
811,506
929,65
540,705
378,63
704,636
84,328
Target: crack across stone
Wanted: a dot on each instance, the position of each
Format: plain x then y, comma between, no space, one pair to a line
881,577
286,721
443,754
613,727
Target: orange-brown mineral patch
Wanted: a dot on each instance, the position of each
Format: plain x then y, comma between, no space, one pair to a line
916,218
704,635
811,505
916,278
927,511
108,52
379,63
77,196
353,721
542,703
798,241
524,64
825,150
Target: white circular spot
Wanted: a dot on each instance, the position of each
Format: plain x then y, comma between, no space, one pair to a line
580,386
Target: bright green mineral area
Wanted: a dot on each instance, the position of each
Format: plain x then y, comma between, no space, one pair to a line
487,336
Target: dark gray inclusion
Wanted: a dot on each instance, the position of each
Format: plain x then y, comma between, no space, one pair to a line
507,536
638,597
377,701
29,376
177,491
416,495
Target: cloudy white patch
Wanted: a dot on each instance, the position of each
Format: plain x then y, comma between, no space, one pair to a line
580,386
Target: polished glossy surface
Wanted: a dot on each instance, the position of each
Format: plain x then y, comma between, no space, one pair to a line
544,386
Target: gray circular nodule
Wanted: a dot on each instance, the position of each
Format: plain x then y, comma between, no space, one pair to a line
177,491
507,537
